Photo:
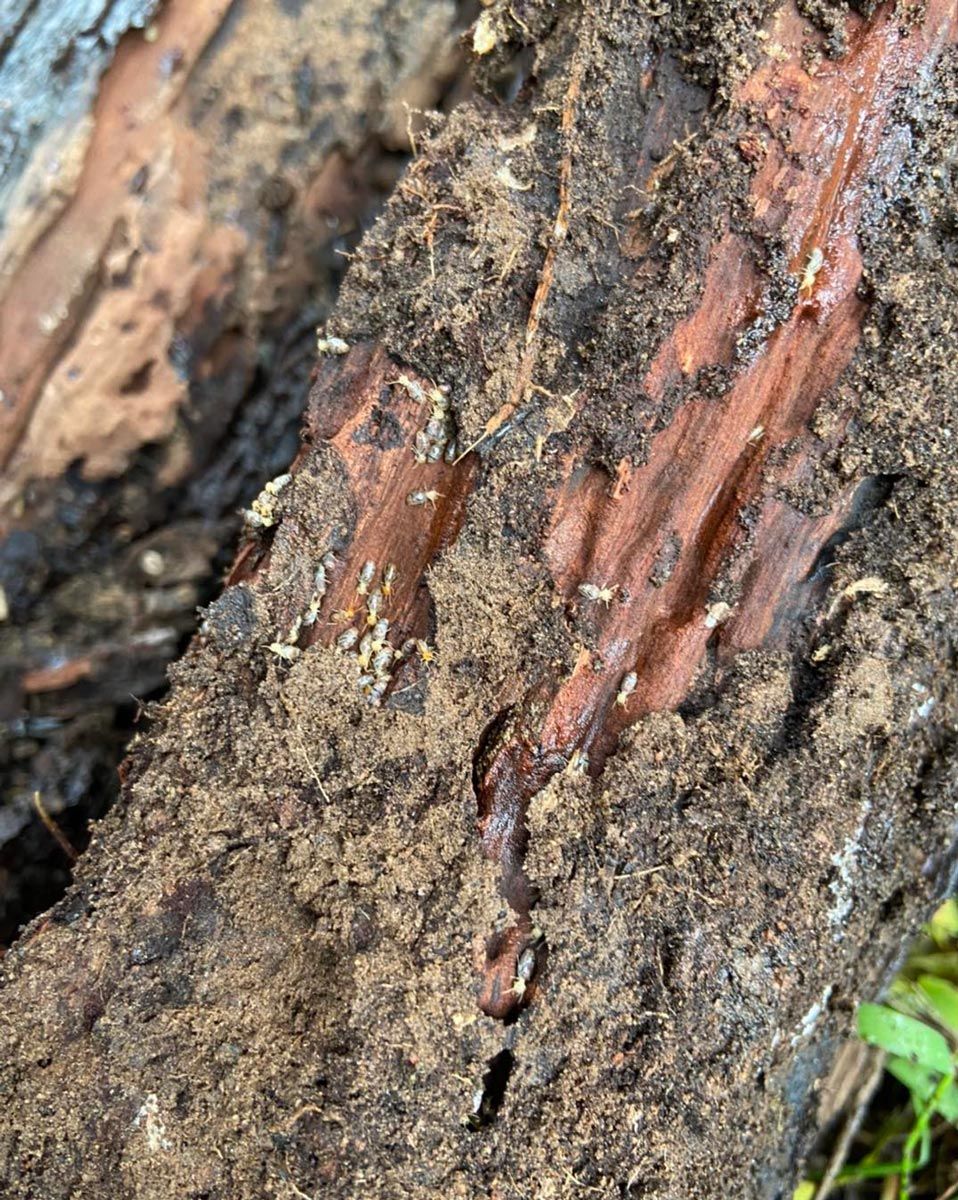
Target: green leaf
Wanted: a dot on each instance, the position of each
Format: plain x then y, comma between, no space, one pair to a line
908,1038
805,1191
943,926
922,1083
905,996
944,964
942,998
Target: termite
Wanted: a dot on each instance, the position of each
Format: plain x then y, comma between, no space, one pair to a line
373,604
414,389
275,486
426,652
365,651
626,688
365,578
592,591
813,265
347,639
285,653
417,498
381,661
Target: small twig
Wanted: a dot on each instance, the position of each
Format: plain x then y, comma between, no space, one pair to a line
560,230
863,1098
410,132
309,762
55,832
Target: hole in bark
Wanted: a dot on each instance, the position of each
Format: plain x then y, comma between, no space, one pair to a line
494,1084
486,745
139,381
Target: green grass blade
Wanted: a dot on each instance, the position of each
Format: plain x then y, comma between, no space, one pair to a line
923,1084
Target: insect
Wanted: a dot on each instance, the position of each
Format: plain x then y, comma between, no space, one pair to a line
592,591
275,486
285,653
525,970
417,498
381,661
311,615
294,631
373,605
813,265
347,639
578,764
389,578
264,510
414,389
426,652
375,691
435,429
331,345
365,650
421,448
379,632
440,401
626,688
434,454
342,615
716,614
366,577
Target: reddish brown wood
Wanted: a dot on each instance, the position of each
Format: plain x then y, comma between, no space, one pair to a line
719,457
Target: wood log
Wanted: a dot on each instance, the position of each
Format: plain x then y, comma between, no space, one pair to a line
171,240
578,891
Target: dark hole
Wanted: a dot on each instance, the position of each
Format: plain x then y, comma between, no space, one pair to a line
494,1084
139,381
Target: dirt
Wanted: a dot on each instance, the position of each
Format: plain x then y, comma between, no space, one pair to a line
264,980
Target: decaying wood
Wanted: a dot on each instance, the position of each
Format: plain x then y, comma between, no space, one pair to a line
519,928
180,185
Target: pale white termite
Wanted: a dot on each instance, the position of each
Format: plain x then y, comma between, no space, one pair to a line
813,265
626,688
417,498
592,591
373,604
285,653
381,661
365,577
347,639
365,651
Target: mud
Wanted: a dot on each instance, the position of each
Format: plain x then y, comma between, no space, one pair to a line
267,977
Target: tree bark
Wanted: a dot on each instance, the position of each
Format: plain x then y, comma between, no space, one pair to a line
642,422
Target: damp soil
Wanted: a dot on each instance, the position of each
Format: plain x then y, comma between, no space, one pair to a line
263,981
